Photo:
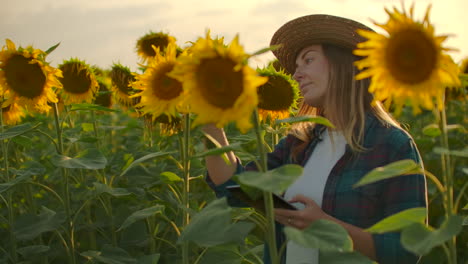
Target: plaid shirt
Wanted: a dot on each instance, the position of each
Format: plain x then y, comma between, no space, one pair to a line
366,205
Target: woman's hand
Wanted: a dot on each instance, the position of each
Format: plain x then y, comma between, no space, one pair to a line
300,219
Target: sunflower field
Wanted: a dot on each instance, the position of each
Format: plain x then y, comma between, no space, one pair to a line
108,165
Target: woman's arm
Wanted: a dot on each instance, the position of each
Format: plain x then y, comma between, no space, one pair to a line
218,170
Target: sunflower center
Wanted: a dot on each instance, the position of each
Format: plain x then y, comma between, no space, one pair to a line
219,84
411,56
157,42
103,97
275,95
165,87
121,80
25,79
75,79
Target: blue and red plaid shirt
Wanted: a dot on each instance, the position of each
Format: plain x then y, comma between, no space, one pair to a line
363,206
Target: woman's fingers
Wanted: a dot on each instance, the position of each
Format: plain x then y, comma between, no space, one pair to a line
291,218
304,200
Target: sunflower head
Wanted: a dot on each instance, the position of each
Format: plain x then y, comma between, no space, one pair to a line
408,63
169,125
12,113
220,86
159,93
278,97
27,77
459,93
146,45
103,95
79,82
276,65
121,80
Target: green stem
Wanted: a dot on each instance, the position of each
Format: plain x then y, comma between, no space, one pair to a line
11,216
267,196
149,129
186,189
448,179
66,190
95,128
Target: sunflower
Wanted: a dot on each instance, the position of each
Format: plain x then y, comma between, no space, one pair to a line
103,96
169,125
278,97
27,77
12,113
464,66
409,64
220,86
160,94
146,43
79,82
121,79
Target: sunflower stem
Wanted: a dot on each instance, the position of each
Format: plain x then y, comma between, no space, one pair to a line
186,189
95,128
448,179
267,196
66,190
11,216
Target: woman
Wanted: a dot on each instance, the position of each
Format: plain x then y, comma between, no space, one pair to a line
317,50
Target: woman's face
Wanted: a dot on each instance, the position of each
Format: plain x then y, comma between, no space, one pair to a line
312,71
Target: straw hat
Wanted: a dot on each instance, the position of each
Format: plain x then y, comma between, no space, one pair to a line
314,29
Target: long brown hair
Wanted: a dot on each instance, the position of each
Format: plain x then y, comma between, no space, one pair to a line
346,102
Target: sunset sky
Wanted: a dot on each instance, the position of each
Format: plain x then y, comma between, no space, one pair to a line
102,32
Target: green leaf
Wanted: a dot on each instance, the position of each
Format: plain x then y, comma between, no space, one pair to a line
394,169
23,141
145,158
87,139
170,177
275,181
149,259
76,107
432,130
87,127
110,255
91,159
226,254
8,185
458,127
458,153
49,50
465,170
314,119
30,251
219,151
466,207
141,214
322,234
399,220
18,130
465,221
212,226
116,192
344,258
29,226
420,239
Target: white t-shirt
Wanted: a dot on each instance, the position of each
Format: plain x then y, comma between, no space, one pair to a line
311,184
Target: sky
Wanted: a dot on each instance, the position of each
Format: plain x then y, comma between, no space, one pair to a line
103,32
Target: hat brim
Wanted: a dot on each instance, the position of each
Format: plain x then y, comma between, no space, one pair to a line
314,29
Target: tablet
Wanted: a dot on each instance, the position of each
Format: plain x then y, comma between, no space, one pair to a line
278,201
